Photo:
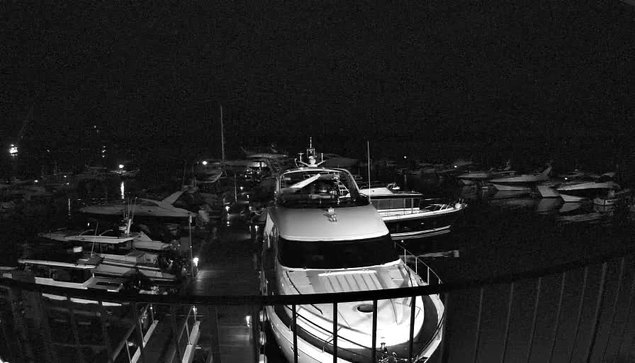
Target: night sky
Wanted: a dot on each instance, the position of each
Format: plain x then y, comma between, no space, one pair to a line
434,79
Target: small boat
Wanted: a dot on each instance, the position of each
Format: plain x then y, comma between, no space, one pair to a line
481,177
323,236
613,197
577,191
407,217
524,182
140,240
72,271
127,254
144,208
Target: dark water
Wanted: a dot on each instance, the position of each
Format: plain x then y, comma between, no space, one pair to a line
494,236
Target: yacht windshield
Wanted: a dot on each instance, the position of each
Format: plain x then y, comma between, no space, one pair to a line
319,188
337,254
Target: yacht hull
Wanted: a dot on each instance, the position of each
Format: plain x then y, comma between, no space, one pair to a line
309,349
512,187
421,223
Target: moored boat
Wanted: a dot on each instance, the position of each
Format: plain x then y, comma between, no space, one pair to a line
323,236
407,217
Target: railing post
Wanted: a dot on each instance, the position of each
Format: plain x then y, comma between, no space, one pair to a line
373,352
212,312
598,310
104,331
508,320
71,314
580,308
614,310
135,309
628,316
335,332
557,318
175,333
413,307
534,318
294,315
478,324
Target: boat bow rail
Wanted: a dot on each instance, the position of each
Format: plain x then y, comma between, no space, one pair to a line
599,291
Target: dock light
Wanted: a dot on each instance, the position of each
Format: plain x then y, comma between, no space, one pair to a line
204,162
195,261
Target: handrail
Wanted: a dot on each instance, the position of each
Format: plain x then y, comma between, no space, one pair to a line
260,300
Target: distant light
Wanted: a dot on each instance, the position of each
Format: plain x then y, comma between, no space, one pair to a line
204,162
248,320
13,149
120,166
36,181
405,157
195,261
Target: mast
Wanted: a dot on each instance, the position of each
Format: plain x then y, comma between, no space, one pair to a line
222,135
368,160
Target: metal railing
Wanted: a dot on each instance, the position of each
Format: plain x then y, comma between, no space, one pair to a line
580,311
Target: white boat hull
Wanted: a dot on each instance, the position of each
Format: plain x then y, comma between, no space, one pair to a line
512,187
310,353
572,198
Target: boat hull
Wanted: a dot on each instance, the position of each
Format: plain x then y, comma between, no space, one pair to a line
314,352
420,224
512,187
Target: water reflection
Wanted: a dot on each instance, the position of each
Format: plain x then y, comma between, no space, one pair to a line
122,189
548,205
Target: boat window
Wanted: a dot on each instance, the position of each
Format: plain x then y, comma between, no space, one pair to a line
38,271
337,254
70,275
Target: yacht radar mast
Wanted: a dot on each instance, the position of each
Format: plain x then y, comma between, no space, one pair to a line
311,157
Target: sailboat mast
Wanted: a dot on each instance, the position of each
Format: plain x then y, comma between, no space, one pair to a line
368,156
222,135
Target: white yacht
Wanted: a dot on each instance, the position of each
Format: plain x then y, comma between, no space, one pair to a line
577,191
524,182
323,236
139,239
126,254
144,208
68,271
407,217
480,177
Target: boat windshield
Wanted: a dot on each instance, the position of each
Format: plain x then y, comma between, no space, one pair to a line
319,188
337,254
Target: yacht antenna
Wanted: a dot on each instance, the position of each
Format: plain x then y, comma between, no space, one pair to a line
368,161
222,134
310,153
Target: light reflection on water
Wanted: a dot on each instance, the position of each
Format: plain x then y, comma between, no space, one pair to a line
122,189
